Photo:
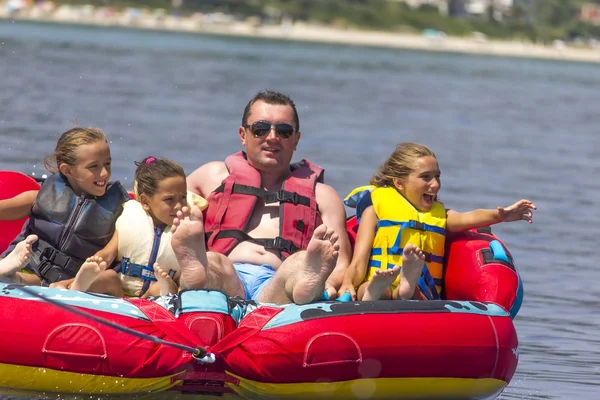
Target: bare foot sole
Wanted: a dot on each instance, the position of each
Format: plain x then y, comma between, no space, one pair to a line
379,283
188,245
318,262
166,284
412,267
90,271
17,259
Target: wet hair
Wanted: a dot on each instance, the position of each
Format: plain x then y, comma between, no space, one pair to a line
151,171
67,145
271,97
400,163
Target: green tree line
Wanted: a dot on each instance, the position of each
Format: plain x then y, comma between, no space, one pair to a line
537,20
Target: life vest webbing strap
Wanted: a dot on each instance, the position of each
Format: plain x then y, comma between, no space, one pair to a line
418,225
397,251
127,268
277,243
427,285
51,258
281,196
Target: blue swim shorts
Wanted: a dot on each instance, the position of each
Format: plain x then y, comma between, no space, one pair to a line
254,278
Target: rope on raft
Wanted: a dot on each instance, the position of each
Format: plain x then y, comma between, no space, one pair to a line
199,353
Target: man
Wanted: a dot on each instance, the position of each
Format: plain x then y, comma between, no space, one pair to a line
277,234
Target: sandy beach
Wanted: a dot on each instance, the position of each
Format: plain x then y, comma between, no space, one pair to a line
219,24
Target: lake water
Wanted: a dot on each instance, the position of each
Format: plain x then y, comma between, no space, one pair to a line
503,129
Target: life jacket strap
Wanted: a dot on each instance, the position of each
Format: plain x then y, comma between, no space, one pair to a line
136,270
418,225
277,243
427,285
397,251
281,196
55,265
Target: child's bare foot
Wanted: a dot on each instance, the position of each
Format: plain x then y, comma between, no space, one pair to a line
379,282
412,267
316,265
188,245
88,273
17,259
166,284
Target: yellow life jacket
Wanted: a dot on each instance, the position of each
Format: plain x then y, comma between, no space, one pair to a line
137,247
401,223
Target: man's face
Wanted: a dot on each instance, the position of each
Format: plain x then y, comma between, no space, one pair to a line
272,151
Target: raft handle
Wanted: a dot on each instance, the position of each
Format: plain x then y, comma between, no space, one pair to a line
497,254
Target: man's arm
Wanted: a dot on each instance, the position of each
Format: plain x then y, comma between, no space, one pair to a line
207,178
17,207
333,215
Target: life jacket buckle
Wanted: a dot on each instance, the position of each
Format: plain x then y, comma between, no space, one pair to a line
137,270
287,197
418,225
48,254
280,244
281,196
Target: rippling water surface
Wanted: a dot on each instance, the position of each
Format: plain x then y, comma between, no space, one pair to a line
503,129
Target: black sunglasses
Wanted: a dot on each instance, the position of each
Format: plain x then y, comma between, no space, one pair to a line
263,128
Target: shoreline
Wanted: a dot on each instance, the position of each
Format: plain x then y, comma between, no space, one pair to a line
302,32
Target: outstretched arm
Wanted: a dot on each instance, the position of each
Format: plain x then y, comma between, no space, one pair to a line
17,207
521,210
362,252
333,215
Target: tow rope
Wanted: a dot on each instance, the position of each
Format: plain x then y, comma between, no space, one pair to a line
199,353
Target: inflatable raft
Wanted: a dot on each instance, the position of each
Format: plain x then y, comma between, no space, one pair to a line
465,347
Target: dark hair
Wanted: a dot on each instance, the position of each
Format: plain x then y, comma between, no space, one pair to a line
151,171
271,97
400,164
67,145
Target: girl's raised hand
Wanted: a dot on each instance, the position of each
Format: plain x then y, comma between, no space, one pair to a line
521,210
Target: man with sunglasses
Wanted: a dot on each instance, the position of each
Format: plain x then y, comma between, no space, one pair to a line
276,233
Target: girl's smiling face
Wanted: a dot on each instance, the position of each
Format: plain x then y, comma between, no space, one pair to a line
421,186
92,171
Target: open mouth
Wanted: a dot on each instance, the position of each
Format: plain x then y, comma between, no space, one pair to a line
100,183
429,198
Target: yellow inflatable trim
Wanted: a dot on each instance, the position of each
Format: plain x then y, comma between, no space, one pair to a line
36,379
376,388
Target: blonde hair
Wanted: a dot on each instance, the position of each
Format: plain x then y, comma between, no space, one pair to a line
67,145
400,163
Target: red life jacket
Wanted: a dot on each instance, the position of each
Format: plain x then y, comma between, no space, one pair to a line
231,205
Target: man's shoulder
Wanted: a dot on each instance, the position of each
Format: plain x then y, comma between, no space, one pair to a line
214,167
326,195
207,177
